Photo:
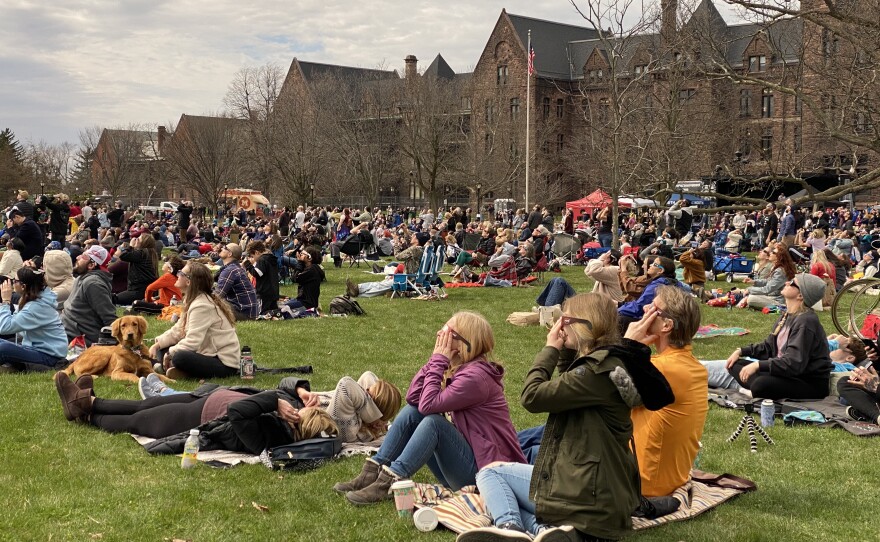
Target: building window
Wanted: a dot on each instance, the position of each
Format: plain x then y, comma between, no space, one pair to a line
594,75
545,103
585,106
545,147
490,111
686,94
640,69
560,142
830,43
502,75
488,143
798,104
745,103
560,108
757,63
514,108
466,104
798,139
766,103
603,111
767,145
862,122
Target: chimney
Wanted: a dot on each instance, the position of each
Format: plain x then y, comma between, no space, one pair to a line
668,20
161,138
412,66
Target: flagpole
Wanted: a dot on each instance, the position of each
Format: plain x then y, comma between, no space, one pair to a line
528,108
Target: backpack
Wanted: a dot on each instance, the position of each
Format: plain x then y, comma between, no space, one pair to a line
344,305
305,454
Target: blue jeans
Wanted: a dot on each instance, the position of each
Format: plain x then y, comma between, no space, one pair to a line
719,376
556,291
25,358
530,442
505,491
605,239
415,440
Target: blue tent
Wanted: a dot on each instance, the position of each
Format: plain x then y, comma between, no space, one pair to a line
693,200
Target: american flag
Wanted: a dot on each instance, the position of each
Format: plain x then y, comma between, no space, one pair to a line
531,61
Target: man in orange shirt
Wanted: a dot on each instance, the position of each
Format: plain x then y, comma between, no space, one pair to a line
667,440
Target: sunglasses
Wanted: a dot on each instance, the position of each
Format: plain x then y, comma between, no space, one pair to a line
665,315
793,284
187,276
569,320
458,337
657,265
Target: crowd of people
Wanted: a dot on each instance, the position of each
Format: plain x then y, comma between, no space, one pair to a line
623,425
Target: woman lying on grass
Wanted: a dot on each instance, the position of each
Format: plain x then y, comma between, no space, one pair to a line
585,480
458,379
361,409
793,362
229,419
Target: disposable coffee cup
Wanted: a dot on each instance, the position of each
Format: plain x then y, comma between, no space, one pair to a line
404,497
425,519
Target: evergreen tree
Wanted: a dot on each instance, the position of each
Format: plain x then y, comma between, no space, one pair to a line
11,162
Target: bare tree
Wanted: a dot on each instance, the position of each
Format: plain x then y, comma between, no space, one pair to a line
52,165
120,156
204,154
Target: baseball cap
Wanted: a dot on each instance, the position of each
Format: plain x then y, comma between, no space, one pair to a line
97,254
15,211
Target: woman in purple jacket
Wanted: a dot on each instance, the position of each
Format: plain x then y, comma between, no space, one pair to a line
460,380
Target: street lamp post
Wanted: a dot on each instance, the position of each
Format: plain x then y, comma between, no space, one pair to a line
479,199
312,188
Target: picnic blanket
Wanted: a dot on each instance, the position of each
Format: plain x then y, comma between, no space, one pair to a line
226,458
712,330
830,408
464,510
464,285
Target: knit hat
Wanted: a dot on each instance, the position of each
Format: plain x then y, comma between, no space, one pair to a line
423,238
97,254
812,288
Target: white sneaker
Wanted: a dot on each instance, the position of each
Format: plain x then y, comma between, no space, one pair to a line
143,387
566,533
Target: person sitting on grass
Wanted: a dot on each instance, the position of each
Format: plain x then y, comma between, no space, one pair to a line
862,391
165,286
203,342
90,305
142,264
233,284
633,279
458,379
667,441
768,293
584,483
236,420
661,271
36,321
309,278
262,265
793,362
605,271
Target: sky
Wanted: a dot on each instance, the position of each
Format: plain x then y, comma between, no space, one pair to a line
66,65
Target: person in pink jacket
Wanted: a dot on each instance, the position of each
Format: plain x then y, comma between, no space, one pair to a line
459,379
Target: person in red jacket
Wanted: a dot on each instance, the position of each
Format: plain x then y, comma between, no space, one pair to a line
165,286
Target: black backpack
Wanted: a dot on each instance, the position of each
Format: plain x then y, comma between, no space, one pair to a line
344,305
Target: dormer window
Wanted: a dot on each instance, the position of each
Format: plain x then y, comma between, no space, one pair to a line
594,75
757,63
640,69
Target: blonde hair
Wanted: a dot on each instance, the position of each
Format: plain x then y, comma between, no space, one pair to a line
601,311
682,309
818,233
475,329
313,421
387,398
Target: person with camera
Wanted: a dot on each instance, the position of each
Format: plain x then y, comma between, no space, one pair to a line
59,215
35,320
263,266
184,212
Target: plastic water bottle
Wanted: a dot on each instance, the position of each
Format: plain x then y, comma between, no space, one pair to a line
246,363
698,460
190,450
768,410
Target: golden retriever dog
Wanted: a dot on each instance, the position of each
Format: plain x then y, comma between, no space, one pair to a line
128,360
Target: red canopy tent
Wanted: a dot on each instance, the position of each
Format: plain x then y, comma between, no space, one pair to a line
598,199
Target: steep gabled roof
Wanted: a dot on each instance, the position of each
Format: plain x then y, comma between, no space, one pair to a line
312,70
439,68
550,41
783,35
147,140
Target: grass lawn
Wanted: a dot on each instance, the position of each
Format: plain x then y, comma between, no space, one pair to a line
68,482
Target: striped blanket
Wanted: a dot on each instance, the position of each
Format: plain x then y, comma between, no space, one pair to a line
464,510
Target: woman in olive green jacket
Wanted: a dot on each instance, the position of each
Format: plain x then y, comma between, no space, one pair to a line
585,482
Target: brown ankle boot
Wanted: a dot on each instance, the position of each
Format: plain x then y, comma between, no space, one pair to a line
378,491
367,476
76,402
86,382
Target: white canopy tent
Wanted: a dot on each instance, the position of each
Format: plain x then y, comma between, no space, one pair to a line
633,201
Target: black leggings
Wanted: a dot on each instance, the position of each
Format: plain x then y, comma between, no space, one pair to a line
155,417
859,398
128,297
199,365
763,385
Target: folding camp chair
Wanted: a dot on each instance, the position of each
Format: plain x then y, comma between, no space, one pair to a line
470,242
565,247
428,280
